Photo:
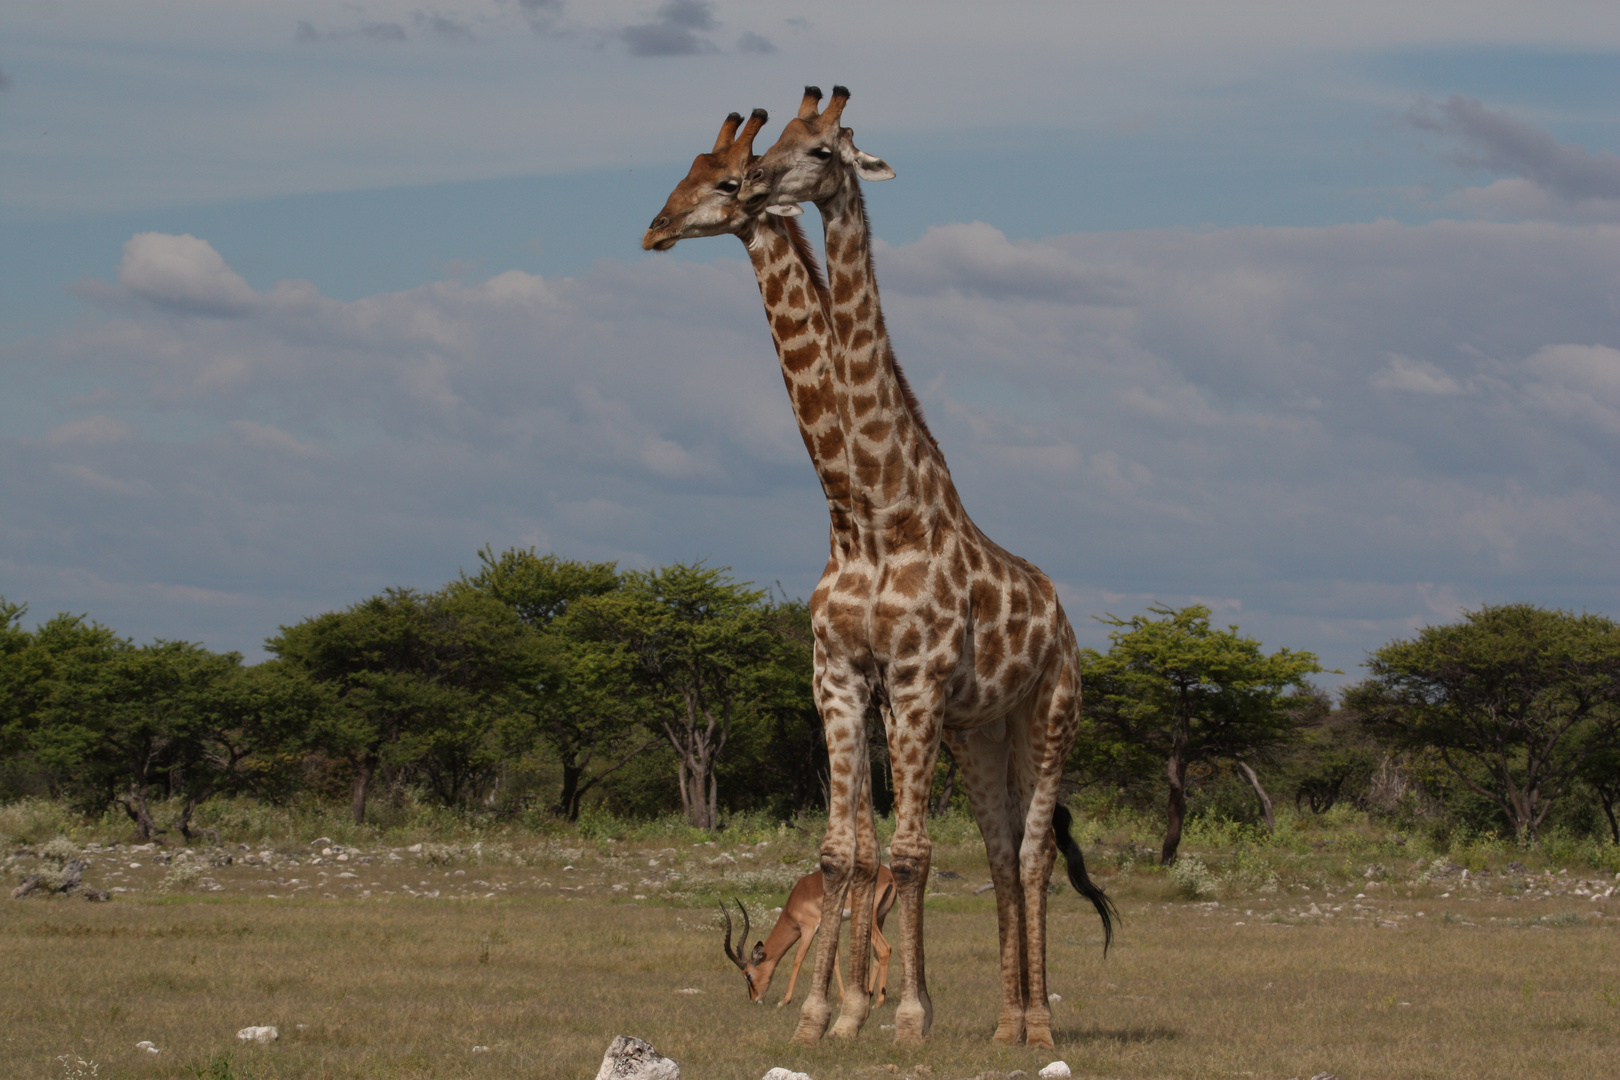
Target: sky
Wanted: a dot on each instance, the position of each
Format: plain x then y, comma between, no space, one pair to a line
1308,313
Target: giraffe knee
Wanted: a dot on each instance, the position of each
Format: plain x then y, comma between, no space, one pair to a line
908,869
834,869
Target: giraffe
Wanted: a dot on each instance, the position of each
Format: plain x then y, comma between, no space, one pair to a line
953,637
706,203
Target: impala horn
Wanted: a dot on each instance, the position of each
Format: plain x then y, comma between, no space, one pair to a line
742,940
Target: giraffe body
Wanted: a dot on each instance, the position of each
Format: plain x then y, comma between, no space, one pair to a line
954,638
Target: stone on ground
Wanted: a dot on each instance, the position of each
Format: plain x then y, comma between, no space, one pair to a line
1058,1070
258,1034
630,1058
780,1073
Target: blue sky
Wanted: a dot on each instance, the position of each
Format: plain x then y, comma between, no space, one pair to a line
1306,313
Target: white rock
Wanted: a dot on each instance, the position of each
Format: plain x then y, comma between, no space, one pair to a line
1054,998
1058,1070
258,1034
146,1044
415,849
689,990
629,1058
780,1073
480,1050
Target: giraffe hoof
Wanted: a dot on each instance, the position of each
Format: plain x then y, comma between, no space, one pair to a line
910,1025
1008,1032
1039,1039
847,1027
812,1023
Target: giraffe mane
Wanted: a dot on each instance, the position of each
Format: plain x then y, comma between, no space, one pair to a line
807,255
907,394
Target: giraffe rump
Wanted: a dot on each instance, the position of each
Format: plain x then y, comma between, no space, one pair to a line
1076,862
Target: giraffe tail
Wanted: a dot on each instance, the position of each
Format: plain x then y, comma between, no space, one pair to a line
1076,862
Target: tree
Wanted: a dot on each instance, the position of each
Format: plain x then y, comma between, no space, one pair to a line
418,682
702,651
1176,689
1601,771
578,706
1516,699
1334,759
115,723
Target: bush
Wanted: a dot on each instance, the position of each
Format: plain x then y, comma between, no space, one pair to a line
1193,879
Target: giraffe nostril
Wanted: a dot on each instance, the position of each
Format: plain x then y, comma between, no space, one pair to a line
659,223
756,176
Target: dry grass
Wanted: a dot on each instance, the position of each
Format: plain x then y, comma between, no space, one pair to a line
1493,982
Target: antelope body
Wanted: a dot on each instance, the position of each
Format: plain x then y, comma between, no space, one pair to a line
801,917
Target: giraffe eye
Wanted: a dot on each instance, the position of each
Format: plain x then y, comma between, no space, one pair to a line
821,153
728,186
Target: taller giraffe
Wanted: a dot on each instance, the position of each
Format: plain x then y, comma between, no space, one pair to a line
953,637
706,203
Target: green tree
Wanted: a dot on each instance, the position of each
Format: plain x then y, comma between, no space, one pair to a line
1178,690
1516,699
115,723
578,707
248,731
1601,771
418,681
703,652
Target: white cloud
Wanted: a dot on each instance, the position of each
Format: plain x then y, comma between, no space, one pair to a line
1578,382
91,431
1415,377
185,273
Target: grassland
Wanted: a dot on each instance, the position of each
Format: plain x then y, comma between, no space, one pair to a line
537,949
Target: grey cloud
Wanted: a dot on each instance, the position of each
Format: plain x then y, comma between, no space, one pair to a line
443,26
1338,432
387,32
542,15
379,32
751,42
1494,141
673,30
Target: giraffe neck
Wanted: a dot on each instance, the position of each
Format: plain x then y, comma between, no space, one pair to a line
895,464
796,307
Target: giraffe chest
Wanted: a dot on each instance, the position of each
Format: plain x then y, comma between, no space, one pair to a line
972,635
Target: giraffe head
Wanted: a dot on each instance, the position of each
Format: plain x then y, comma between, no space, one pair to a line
706,203
812,160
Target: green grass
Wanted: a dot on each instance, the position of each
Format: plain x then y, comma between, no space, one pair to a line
485,938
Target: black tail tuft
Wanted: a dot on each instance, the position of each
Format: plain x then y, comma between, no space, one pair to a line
1061,822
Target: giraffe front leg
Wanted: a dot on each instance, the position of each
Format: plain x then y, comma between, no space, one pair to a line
913,746
857,1002
843,718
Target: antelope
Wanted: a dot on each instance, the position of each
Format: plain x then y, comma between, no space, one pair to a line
801,916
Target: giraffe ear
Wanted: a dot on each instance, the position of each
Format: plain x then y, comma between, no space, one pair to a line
785,210
872,168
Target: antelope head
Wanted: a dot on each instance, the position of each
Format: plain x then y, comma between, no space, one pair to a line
750,965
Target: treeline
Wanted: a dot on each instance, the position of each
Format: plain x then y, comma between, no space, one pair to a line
539,683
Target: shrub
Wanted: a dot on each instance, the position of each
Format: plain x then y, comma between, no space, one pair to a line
1193,878
181,876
